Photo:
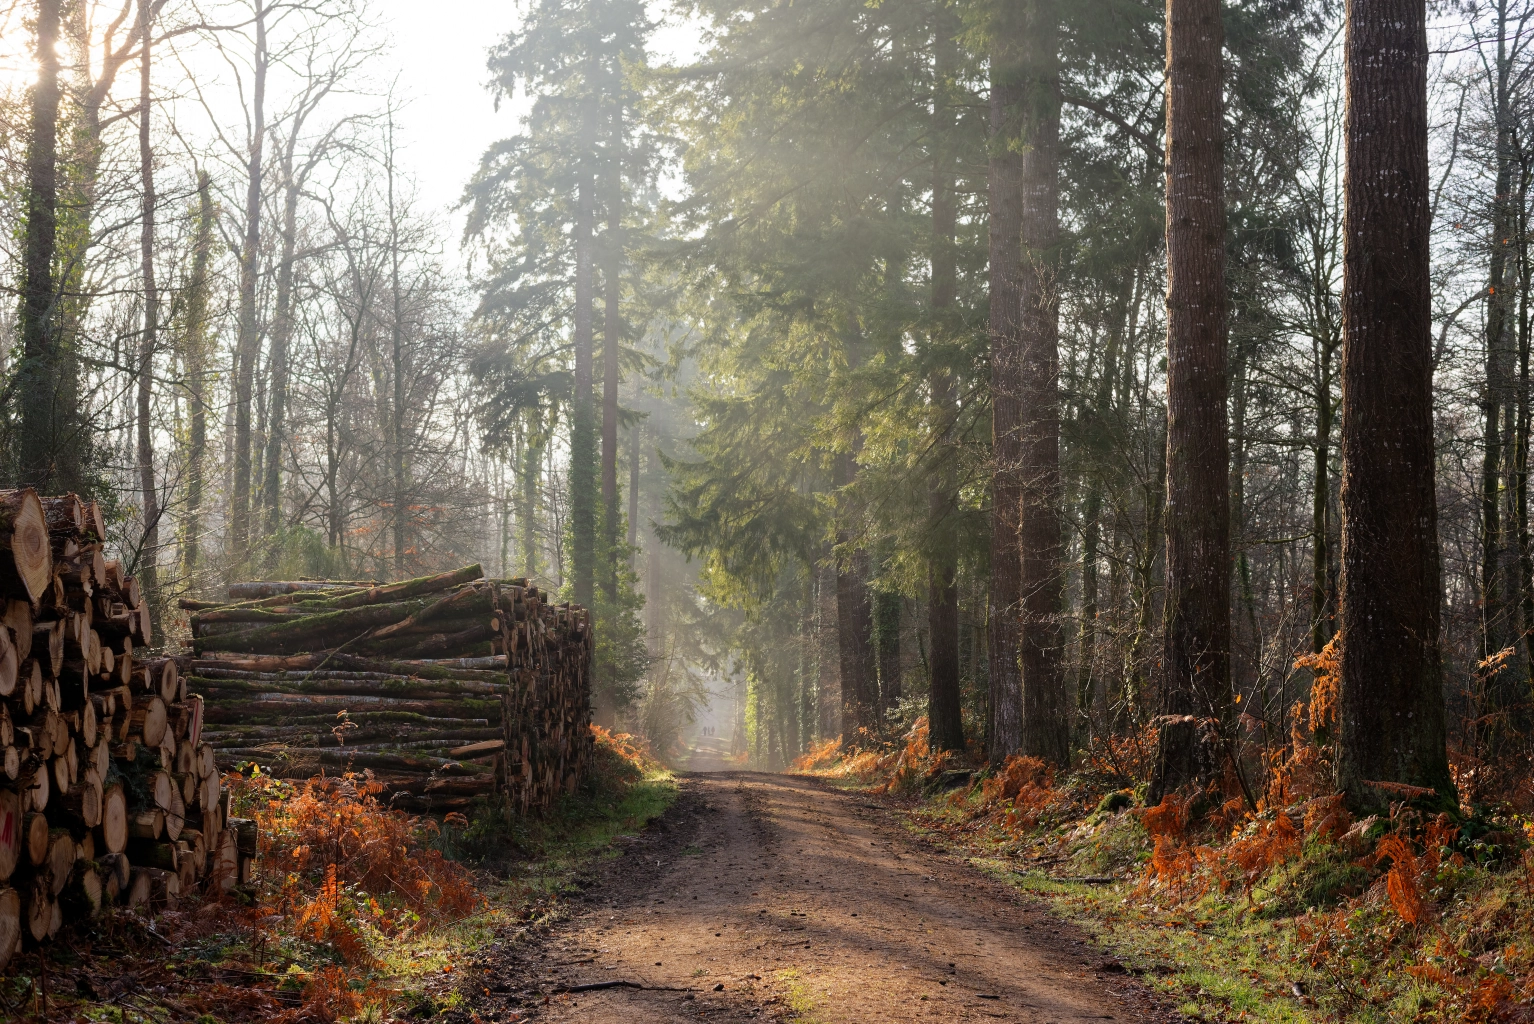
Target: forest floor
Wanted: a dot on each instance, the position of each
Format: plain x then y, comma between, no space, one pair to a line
760,897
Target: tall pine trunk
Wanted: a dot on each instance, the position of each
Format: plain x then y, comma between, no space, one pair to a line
612,334
887,641
1005,207
854,622
828,683
1321,604
944,704
583,525
45,401
1392,714
1046,729
1196,655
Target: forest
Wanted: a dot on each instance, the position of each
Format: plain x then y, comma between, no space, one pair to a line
834,357
1110,391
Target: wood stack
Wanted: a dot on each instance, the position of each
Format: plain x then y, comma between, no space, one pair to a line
546,717
406,680
106,790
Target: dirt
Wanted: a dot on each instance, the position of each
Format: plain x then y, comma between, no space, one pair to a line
761,897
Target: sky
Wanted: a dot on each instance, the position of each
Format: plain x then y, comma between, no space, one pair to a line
438,48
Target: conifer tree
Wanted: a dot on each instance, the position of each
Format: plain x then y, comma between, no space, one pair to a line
1392,710
1196,690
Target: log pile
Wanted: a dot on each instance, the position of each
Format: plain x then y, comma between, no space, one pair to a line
107,790
448,688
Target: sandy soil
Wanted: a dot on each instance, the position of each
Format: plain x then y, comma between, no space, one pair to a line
772,897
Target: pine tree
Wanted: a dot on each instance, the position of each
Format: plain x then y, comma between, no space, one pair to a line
1196,691
1392,712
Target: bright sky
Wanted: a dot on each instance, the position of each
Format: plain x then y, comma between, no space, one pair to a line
439,48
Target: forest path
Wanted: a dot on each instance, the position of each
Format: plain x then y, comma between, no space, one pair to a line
773,897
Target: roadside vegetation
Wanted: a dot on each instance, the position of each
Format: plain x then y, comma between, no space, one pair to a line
360,912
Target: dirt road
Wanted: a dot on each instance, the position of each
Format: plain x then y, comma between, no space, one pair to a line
771,897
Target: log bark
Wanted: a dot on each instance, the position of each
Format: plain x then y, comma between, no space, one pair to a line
12,834
10,924
412,588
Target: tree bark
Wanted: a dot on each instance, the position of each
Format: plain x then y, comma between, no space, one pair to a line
149,553
532,462
1392,715
828,682
398,461
1500,571
1321,605
194,358
612,336
887,638
282,332
1005,207
1046,729
944,700
249,340
1196,656
854,624
583,526
47,404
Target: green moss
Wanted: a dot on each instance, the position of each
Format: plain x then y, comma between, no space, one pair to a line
1323,876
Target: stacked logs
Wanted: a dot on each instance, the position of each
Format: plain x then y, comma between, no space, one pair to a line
546,714
425,683
106,790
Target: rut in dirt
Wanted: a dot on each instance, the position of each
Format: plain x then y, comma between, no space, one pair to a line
772,897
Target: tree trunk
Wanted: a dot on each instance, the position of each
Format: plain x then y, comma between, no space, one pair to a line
194,358
1500,569
887,639
1392,715
807,708
249,340
1525,542
282,332
612,336
149,553
1005,206
636,433
1046,729
47,404
1091,541
1321,610
532,462
944,711
398,464
583,526
828,649
1196,657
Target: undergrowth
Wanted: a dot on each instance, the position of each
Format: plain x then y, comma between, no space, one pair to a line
359,913
1289,910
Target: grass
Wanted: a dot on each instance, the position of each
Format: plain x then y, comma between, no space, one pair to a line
798,998
1212,956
